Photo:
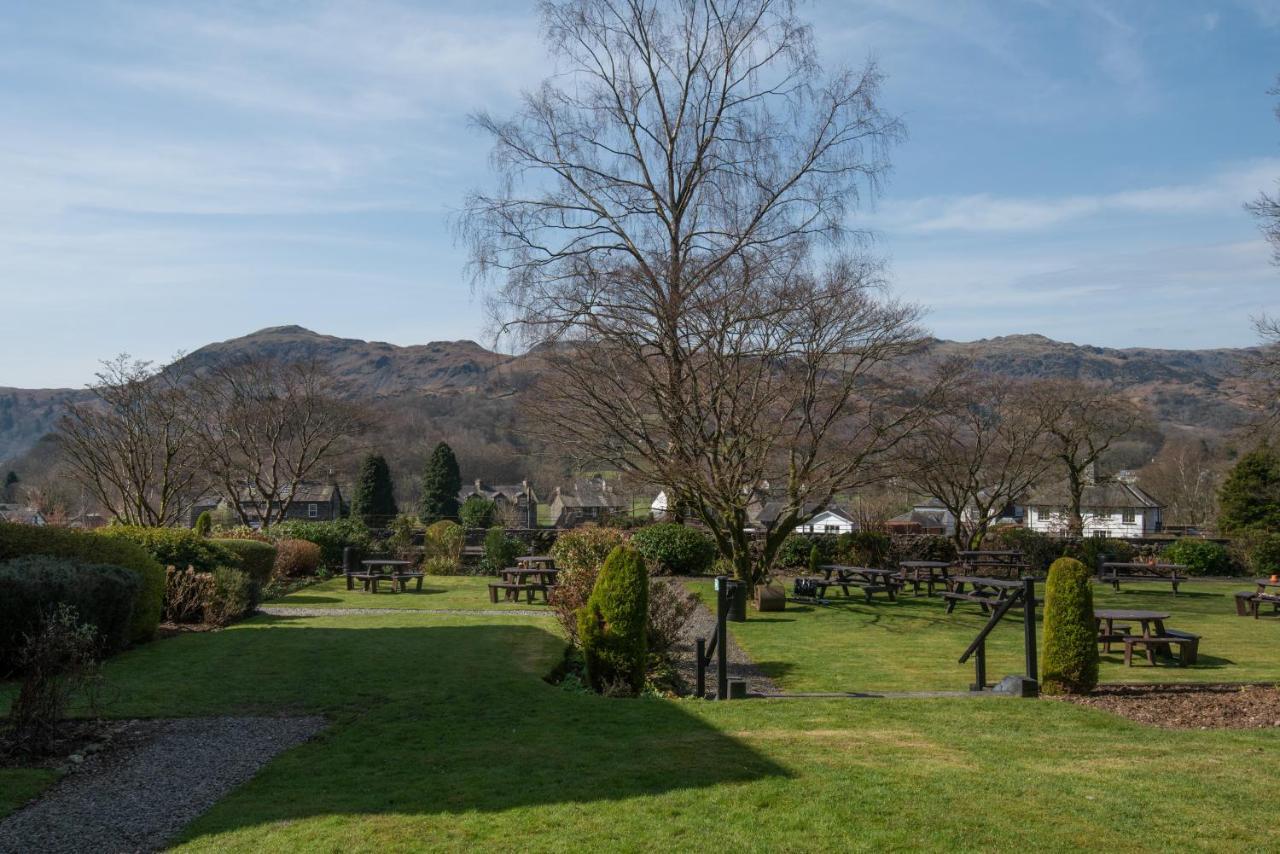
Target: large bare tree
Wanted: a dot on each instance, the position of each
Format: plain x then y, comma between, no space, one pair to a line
1267,207
982,449
267,425
132,446
1185,476
1083,420
661,203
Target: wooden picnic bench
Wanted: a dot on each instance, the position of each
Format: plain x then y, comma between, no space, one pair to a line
867,579
992,564
1114,573
513,589
986,592
529,580
1154,636
1250,602
394,572
930,573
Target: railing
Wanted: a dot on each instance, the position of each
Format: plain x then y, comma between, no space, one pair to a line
1026,596
719,646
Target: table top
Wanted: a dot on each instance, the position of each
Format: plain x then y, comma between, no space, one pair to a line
385,562
1144,565
991,554
1115,614
524,570
535,559
1266,582
986,582
925,564
860,570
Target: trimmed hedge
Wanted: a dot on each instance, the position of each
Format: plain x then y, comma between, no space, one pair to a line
612,626
255,558
90,548
331,537
33,586
585,548
177,547
295,558
1201,557
500,550
1070,635
674,548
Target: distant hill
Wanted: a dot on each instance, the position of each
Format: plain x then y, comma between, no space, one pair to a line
460,385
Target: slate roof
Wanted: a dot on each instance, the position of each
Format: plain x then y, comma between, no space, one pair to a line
1106,494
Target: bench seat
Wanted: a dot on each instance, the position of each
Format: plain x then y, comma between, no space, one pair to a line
1188,646
1114,580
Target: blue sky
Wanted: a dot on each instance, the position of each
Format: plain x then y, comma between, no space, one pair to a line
175,174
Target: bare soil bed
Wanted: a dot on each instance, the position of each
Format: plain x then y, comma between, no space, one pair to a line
1189,706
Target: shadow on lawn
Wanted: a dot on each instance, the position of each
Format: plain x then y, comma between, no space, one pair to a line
445,719
316,599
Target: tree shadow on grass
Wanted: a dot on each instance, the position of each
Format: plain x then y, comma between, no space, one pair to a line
382,596
428,719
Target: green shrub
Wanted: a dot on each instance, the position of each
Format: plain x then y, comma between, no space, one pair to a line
442,541
439,566
674,548
174,546
257,559
1201,557
34,586
500,550
794,551
612,626
58,660
234,595
1070,636
1093,551
815,560
331,537
585,548
204,524
922,547
477,512
865,548
1264,554
296,559
1249,499
1038,550
86,547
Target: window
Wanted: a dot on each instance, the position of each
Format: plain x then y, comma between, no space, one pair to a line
832,529
1128,517
313,511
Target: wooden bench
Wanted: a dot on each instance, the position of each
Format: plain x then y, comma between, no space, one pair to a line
1188,646
399,580
1244,602
1260,599
820,586
514,589
986,600
1114,573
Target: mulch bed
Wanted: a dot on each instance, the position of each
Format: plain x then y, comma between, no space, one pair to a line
1189,706
76,741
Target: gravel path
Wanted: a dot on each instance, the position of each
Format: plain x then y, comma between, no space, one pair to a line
158,777
702,624
287,611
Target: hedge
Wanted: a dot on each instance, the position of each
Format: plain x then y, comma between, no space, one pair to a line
86,547
255,558
612,625
331,537
296,558
585,548
1264,554
674,548
176,547
1070,635
500,550
1200,557
31,587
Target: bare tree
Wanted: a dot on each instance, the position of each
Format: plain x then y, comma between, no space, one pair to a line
1185,476
659,206
1267,207
266,426
980,451
133,445
1082,421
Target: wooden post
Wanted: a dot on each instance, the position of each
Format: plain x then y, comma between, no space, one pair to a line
1029,626
722,640
701,652
980,668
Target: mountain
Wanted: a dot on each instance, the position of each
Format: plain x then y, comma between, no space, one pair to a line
452,387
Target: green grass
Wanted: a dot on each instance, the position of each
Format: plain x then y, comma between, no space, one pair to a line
444,737
912,645
19,785
439,592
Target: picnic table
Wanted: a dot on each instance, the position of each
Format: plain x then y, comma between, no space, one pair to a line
1251,601
927,572
983,590
867,579
993,563
1114,573
524,579
1154,637
394,571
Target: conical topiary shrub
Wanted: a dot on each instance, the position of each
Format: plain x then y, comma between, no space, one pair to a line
611,626
1070,636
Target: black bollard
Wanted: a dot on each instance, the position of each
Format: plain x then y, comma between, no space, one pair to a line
1029,627
722,640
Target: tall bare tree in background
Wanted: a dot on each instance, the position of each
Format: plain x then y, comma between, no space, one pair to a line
1267,206
133,445
982,449
659,206
266,425
1185,476
1082,422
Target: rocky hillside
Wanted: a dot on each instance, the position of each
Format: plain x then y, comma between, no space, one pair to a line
460,380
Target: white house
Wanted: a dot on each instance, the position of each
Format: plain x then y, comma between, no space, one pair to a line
1110,508
830,521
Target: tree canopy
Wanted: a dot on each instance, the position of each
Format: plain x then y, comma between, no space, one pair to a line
441,482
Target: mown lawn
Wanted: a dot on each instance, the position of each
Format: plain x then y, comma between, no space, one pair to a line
19,785
912,645
439,592
444,736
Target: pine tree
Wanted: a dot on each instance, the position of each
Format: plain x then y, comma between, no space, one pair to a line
441,483
374,499
1250,496
10,480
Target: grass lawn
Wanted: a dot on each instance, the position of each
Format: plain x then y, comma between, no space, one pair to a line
911,645
444,736
19,785
439,592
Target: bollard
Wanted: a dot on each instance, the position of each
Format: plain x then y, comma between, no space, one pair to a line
1029,634
722,641
702,667
737,689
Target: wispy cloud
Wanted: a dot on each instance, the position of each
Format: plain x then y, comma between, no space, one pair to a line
1222,192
